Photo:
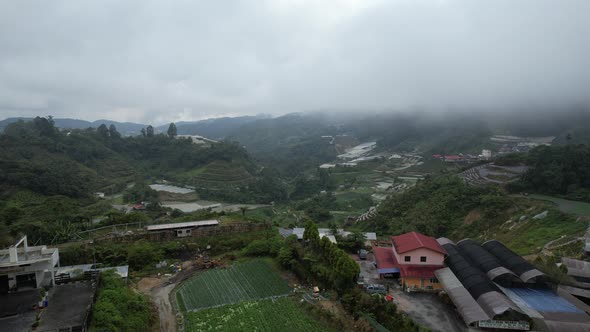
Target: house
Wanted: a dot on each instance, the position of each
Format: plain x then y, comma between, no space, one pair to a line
24,267
415,257
138,207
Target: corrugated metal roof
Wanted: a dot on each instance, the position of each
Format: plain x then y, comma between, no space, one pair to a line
299,232
182,225
576,268
285,232
468,308
484,260
496,303
384,257
523,269
414,240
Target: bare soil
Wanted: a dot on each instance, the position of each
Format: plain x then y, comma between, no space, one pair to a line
159,289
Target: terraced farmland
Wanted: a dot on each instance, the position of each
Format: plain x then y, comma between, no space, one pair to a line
240,282
221,172
266,315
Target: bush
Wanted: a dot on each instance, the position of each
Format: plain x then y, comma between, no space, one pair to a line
118,308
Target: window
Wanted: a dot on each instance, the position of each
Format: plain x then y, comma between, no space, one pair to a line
433,281
407,258
423,259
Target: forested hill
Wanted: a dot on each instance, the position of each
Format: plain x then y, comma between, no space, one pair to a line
555,170
37,156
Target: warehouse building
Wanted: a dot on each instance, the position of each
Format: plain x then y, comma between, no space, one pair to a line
494,288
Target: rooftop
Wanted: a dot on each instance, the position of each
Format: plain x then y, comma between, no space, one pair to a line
384,257
414,240
182,225
19,255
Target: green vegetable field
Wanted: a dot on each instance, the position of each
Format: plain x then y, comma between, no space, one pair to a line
240,282
281,314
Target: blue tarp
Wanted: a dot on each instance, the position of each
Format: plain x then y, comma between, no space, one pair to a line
390,270
545,300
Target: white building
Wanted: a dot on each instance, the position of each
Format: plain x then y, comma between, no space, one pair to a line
487,154
25,267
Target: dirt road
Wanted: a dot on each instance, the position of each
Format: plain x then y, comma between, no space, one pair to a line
158,289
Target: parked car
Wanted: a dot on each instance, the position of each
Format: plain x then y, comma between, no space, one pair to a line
376,289
363,254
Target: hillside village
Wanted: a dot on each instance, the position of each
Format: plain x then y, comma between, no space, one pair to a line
356,248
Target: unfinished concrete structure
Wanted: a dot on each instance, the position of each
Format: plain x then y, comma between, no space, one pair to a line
25,267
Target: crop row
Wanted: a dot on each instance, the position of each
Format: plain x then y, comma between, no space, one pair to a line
240,282
265,315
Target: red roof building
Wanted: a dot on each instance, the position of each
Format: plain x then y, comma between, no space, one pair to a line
415,257
414,240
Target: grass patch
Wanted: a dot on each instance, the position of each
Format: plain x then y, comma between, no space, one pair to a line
532,235
567,206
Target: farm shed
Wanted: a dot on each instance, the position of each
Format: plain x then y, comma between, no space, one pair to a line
489,284
183,229
523,269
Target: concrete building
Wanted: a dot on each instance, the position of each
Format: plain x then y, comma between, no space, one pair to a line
486,154
25,267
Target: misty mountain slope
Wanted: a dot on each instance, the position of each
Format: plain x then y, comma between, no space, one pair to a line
291,143
216,128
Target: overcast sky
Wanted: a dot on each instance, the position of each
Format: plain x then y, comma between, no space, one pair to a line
162,61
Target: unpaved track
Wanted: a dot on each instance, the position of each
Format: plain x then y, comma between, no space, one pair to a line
158,289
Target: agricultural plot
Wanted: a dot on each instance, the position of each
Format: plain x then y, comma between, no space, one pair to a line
281,314
246,281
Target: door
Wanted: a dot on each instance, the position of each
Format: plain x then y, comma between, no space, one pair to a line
4,284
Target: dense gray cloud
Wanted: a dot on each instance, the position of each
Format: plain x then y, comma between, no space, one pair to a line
157,61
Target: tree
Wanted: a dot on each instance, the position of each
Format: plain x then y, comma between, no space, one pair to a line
113,131
149,131
311,232
143,132
103,131
172,132
243,209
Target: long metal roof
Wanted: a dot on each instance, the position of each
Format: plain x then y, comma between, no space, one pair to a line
576,268
182,225
484,260
468,308
515,263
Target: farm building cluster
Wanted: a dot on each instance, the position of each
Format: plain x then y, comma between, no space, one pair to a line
490,286
467,158
370,237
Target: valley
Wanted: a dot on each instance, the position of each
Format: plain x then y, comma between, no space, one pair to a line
194,220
